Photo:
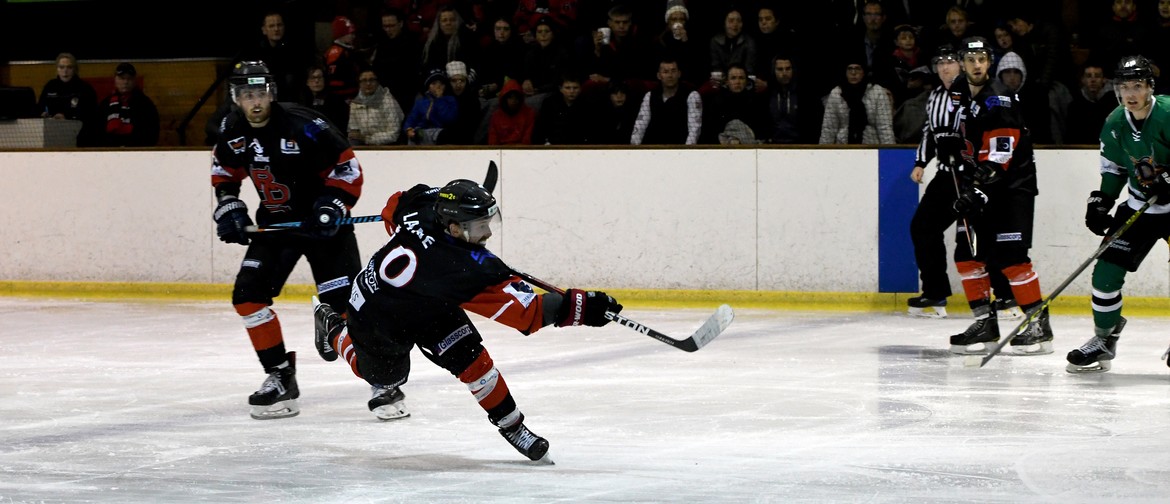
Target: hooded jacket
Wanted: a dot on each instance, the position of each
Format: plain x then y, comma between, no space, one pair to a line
1012,61
511,128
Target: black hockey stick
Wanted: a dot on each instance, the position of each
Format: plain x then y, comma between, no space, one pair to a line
489,183
976,361
972,238
703,335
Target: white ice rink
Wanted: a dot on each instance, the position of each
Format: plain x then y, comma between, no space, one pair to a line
116,402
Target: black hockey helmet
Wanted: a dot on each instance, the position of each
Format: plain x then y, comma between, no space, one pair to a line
251,74
470,205
945,52
1134,68
973,45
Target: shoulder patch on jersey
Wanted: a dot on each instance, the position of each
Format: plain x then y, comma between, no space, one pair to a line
998,101
522,292
237,145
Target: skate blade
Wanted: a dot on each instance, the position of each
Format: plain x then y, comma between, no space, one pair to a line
281,409
1041,348
1096,367
936,312
389,412
544,460
1013,313
972,349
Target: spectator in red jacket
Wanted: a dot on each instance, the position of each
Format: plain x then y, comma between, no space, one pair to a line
512,122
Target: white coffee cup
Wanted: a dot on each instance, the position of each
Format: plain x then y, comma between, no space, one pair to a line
676,30
717,76
605,33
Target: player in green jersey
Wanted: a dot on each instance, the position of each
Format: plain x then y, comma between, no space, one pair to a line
1135,152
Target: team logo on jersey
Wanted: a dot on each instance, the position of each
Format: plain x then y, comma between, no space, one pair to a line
289,146
522,292
237,145
1137,135
256,147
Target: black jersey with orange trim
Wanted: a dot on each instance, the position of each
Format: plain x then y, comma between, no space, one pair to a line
994,127
422,270
292,161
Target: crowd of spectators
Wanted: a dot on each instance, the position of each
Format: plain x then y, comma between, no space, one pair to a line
838,71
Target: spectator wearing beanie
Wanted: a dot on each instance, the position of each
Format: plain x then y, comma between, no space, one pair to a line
341,64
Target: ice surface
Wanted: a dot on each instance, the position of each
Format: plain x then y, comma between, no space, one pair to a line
147,402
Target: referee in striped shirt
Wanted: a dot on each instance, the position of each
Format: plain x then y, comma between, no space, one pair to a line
935,210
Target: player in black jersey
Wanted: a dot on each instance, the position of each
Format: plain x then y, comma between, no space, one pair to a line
414,291
304,170
997,184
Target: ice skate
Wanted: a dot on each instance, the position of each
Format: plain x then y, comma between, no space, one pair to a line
527,443
277,397
326,324
1096,355
1036,339
974,340
924,307
1008,309
388,403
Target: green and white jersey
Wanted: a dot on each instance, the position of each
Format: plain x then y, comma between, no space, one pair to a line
1124,146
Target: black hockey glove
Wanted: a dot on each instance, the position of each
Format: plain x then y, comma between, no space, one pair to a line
987,173
327,213
970,201
950,148
585,308
1155,180
1097,217
231,217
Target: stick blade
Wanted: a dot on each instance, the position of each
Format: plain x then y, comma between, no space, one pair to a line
489,180
713,327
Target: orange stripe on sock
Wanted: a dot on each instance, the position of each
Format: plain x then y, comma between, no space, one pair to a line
976,283
1025,283
263,336
343,345
497,395
480,367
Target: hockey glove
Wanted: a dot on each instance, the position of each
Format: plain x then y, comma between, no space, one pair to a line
1155,179
950,148
987,173
579,307
327,213
970,201
231,217
1097,217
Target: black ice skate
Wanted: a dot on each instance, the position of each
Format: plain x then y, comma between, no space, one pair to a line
1008,309
1036,339
922,306
388,403
974,340
277,397
326,324
1096,355
526,442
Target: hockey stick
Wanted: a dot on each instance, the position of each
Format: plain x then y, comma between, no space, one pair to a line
489,183
703,335
290,226
976,361
972,238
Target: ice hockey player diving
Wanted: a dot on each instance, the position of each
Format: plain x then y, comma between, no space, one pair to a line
414,290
